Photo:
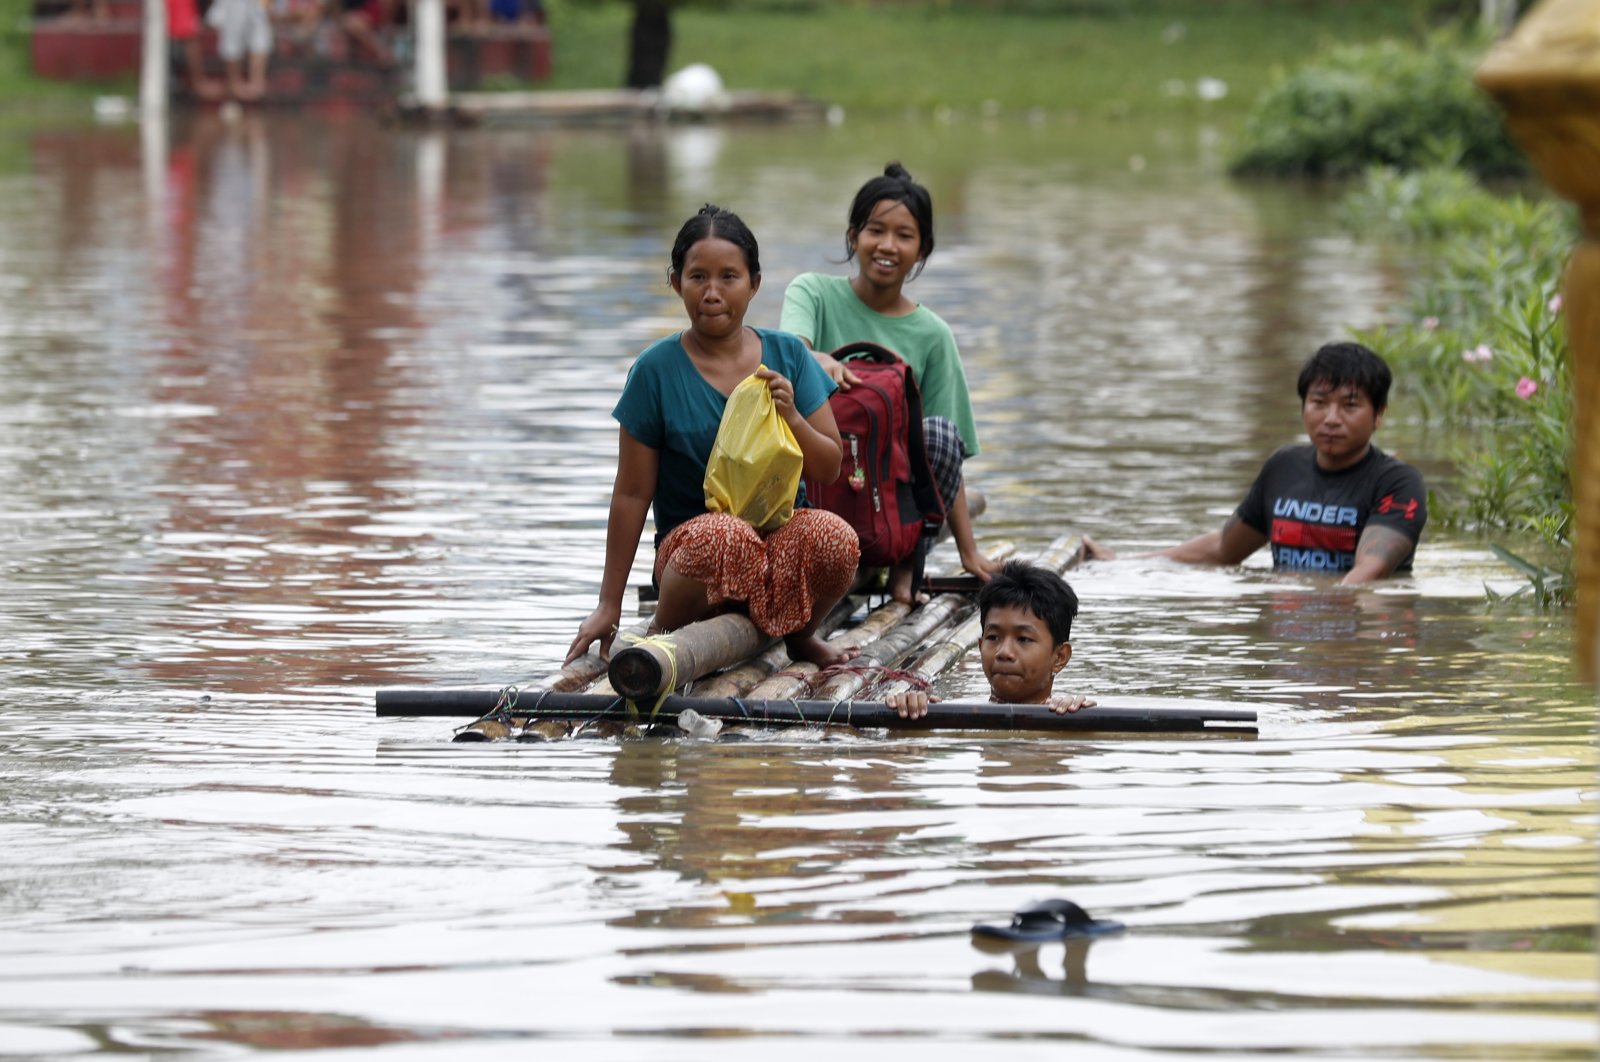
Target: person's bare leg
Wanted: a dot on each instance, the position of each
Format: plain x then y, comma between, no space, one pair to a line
236,82
682,601
256,82
806,644
201,84
900,579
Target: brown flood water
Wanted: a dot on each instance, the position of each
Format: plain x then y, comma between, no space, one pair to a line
296,408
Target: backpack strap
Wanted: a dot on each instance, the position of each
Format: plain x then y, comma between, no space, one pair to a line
923,487
867,351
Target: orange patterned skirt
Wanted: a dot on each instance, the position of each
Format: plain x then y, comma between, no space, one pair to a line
780,577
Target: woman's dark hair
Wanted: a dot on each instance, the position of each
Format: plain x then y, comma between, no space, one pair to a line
1337,364
895,184
1033,589
713,221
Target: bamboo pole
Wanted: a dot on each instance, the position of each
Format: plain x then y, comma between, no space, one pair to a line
672,658
947,715
895,646
797,678
1060,556
739,680
1546,77
581,673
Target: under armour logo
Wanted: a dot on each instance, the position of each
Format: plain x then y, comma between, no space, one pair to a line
1408,510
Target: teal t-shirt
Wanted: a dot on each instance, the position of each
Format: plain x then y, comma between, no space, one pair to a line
825,310
668,406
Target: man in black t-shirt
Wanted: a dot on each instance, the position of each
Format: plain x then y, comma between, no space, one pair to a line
1335,505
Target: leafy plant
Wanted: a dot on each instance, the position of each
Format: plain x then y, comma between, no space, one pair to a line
1486,352
1387,104
1547,586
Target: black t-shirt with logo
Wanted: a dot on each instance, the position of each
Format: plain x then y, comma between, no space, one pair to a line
1313,519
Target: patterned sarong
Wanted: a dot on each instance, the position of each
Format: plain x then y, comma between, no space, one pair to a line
780,578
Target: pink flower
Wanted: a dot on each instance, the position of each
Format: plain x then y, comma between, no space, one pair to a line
1554,305
1430,323
1526,388
1481,352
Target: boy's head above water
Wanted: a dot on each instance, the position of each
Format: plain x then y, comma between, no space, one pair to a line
1027,614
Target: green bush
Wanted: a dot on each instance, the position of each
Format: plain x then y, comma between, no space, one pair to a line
1486,351
1386,104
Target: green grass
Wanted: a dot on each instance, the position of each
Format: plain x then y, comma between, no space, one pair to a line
19,88
1098,60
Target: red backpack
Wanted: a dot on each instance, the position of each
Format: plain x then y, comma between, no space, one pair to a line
885,487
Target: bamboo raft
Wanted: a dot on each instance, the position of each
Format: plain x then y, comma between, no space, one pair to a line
723,673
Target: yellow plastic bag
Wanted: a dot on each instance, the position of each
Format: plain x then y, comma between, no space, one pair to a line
754,470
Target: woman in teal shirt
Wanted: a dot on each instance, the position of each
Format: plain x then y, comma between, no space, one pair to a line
669,412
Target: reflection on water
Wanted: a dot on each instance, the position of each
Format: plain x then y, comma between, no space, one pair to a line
293,409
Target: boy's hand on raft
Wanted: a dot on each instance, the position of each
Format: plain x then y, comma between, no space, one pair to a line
911,704
837,371
1065,703
601,626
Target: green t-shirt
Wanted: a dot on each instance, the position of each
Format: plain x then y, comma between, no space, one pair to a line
826,312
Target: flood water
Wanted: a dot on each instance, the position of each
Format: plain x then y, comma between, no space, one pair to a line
298,408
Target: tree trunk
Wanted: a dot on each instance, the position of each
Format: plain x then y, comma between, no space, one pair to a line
649,43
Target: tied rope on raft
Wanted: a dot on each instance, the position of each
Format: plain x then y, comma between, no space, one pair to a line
884,673
822,675
500,713
667,646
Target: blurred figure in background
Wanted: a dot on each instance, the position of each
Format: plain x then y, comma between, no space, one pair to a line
183,30
244,40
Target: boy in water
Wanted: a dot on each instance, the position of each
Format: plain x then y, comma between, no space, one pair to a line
1027,615
1335,505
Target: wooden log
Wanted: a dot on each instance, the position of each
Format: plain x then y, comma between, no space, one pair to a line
582,672
740,679
797,678
648,670
946,715
1061,555
892,649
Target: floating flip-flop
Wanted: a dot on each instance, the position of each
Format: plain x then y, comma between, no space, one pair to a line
1049,920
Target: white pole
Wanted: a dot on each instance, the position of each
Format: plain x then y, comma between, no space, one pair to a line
153,56
432,92
1497,16
430,190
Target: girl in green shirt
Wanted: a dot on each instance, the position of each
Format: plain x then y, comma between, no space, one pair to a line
889,237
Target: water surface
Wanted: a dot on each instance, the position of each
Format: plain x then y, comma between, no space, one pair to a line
297,409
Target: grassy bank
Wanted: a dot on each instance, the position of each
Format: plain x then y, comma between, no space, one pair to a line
1136,59
1133,58
23,95
18,87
